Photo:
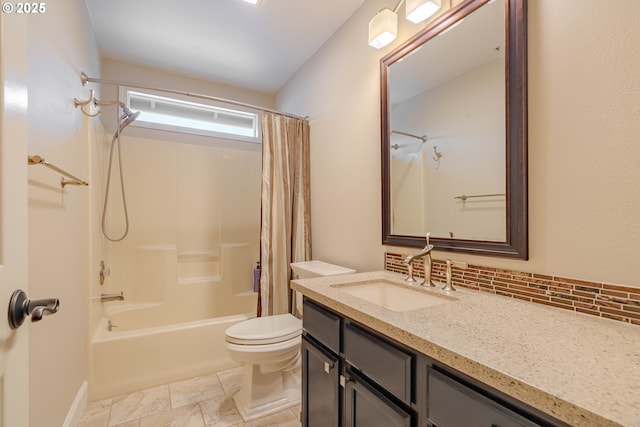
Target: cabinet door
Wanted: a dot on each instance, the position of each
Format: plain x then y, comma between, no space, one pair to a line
366,407
320,386
452,404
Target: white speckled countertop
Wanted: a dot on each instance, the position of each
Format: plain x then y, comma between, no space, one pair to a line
580,369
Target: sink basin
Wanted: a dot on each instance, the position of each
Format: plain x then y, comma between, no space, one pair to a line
393,296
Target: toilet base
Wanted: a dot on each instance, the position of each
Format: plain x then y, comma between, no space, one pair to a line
263,394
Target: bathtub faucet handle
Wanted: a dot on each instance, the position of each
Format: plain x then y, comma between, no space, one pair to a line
104,272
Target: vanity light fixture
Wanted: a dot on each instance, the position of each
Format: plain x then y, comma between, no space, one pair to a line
254,2
419,10
383,28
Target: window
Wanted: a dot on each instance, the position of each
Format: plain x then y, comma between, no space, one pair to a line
180,115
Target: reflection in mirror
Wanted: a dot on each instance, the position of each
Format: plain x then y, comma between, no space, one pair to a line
454,132
451,90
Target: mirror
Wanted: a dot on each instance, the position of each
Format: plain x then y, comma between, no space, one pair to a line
454,133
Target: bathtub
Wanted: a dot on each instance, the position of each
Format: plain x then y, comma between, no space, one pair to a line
132,356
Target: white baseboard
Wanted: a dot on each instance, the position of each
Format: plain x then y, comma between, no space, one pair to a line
77,408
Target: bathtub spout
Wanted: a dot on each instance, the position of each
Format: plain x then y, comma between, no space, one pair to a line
112,297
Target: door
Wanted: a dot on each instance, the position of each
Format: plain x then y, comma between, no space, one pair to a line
320,386
14,368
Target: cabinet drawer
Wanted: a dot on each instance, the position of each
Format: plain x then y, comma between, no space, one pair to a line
380,361
452,404
323,325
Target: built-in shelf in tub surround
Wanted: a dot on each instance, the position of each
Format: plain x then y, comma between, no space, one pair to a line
578,368
617,302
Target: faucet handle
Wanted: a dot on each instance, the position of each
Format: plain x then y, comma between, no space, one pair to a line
448,273
427,237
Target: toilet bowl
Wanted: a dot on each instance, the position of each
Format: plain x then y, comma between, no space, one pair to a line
269,349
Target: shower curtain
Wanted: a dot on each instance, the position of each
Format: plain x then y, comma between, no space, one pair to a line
285,234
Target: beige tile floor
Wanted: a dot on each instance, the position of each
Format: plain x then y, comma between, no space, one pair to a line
205,401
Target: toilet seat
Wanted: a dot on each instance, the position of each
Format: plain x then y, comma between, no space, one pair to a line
265,330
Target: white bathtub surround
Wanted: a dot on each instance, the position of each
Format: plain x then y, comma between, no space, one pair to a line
185,403
129,360
172,325
285,235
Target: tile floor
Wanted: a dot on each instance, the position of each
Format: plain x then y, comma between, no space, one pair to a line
205,401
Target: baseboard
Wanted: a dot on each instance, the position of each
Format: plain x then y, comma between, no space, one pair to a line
77,408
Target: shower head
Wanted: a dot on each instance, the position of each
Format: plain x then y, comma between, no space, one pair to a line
126,119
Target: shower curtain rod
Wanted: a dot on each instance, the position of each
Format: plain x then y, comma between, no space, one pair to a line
86,79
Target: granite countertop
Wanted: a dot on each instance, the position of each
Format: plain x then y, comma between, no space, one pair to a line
578,368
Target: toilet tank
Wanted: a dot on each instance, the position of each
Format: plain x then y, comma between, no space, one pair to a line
309,269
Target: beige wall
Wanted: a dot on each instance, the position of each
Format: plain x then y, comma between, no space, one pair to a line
584,156
60,45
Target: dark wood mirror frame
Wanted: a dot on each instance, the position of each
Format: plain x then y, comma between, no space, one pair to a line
517,241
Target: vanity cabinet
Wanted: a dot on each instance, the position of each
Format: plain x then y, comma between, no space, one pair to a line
351,377
355,377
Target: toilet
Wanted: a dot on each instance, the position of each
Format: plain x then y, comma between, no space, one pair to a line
269,349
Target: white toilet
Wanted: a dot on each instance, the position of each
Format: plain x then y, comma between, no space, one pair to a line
269,349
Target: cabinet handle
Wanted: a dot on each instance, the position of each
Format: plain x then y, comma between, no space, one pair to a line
328,367
344,381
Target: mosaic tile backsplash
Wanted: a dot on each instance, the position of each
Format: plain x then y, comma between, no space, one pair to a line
615,302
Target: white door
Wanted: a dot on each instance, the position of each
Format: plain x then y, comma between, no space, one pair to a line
14,368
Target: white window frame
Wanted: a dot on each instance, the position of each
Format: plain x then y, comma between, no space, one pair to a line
183,125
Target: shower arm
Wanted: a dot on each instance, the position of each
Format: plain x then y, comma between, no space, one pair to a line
99,103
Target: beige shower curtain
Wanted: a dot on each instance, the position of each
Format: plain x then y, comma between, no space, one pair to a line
285,234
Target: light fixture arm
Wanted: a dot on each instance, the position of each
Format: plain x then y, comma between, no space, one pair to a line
397,8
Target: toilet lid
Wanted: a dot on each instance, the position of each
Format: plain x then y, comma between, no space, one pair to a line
265,330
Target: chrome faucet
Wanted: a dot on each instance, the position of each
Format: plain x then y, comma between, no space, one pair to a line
112,297
428,262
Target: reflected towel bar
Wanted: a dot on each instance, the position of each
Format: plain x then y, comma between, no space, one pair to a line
38,160
422,138
464,197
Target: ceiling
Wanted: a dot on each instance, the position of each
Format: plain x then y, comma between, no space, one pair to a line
226,41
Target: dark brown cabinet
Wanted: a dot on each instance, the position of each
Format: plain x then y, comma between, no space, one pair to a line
320,386
365,406
447,396
351,377
355,377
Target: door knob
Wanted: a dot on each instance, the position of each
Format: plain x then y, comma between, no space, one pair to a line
20,307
